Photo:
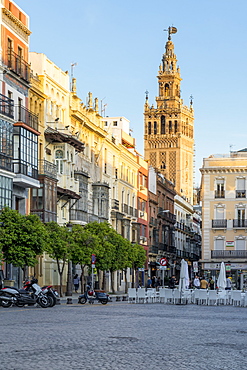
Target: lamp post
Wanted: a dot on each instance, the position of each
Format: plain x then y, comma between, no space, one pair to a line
69,275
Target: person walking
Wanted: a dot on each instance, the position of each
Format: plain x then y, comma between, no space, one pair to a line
172,282
204,283
149,282
76,282
211,284
196,282
228,283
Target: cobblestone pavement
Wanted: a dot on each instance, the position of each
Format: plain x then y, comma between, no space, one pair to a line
123,336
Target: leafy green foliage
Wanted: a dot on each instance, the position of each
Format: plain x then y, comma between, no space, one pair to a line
22,238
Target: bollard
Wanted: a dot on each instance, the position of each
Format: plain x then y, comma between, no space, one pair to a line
58,301
69,301
118,298
124,298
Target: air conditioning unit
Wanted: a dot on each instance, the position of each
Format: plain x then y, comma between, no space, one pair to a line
141,214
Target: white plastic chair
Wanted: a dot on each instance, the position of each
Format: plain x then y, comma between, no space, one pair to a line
168,295
151,295
236,298
187,296
203,296
141,295
245,299
177,296
213,297
162,292
131,295
195,296
224,297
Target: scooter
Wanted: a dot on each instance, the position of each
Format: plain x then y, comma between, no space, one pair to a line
51,293
21,297
91,296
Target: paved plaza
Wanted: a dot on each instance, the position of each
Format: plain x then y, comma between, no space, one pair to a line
123,336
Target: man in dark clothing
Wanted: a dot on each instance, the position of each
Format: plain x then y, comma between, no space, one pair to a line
172,282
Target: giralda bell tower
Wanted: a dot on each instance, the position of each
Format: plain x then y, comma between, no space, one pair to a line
169,128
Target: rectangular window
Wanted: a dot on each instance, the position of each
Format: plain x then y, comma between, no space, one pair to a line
240,244
219,244
240,188
114,123
220,188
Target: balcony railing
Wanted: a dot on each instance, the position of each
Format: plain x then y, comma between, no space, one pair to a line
240,193
153,249
240,223
219,194
47,168
18,65
219,224
24,115
6,106
115,204
227,254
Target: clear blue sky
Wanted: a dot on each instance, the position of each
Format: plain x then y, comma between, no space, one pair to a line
118,46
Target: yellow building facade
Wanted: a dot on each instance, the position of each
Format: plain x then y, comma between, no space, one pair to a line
224,215
169,127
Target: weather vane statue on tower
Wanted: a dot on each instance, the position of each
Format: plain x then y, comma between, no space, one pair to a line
170,31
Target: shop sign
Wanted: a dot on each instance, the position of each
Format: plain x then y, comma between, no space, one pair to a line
228,267
216,266
195,266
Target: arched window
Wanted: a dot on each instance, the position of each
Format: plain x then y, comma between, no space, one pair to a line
155,128
176,127
149,128
59,154
59,160
170,127
167,89
163,125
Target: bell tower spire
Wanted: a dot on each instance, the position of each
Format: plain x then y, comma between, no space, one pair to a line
169,128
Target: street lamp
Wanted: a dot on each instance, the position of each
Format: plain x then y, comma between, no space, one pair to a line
69,275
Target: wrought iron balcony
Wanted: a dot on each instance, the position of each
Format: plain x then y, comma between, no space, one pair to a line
240,224
24,115
47,168
219,224
230,253
240,193
18,65
153,249
6,106
115,204
219,194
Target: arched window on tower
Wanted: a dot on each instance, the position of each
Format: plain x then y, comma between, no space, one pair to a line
155,128
167,88
170,127
175,126
163,125
149,128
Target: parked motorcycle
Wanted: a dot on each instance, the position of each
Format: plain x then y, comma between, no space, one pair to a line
51,293
47,290
22,297
91,296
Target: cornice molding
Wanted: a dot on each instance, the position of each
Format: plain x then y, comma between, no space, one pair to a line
223,170
16,25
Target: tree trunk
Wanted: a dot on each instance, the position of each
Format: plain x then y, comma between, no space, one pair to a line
125,280
61,283
112,282
82,278
133,276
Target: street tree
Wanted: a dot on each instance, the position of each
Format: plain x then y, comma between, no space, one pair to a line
84,245
138,257
22,238
59,243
